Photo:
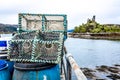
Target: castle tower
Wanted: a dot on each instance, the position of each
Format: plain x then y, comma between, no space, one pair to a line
93,18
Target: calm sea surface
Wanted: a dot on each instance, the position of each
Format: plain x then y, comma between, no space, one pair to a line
90,53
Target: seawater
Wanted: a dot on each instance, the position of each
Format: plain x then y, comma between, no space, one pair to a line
91,53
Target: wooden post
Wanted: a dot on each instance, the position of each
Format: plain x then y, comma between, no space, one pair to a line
79,74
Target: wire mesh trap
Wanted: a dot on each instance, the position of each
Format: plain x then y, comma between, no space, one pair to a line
36,49
43,22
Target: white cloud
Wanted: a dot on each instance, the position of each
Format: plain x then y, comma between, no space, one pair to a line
77,10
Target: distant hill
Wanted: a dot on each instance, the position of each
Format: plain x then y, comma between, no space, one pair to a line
8,28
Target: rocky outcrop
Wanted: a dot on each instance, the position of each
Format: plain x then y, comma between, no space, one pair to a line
103,72
109,36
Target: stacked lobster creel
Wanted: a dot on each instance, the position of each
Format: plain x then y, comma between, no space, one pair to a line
37,47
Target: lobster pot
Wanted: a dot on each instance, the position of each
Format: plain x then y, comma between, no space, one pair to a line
4,73
43,22
10,63
40,48
36,71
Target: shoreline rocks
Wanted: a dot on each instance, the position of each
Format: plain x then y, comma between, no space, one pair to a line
109,36
103,72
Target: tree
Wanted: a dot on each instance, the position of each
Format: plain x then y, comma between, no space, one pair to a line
76,30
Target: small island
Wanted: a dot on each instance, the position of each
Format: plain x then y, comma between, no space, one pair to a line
94,30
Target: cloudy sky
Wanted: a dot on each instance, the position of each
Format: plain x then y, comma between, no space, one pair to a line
106,11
